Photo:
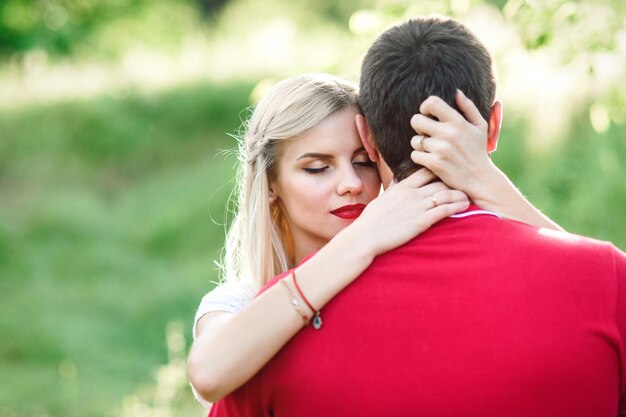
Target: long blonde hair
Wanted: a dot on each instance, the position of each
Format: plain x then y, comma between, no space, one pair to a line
259,244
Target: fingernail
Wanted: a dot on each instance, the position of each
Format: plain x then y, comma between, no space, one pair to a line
460,92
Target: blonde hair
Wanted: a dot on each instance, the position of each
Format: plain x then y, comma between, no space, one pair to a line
259,245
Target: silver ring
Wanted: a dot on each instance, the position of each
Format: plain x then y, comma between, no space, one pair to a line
434,200
420,143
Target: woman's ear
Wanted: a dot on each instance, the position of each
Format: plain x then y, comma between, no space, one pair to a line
273,195
363,127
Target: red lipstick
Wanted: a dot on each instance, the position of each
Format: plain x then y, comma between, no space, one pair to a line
349,212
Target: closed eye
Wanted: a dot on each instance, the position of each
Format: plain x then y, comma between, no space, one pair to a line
365,164
315,170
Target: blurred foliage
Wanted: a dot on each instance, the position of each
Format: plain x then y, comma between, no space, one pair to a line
581,26
61,26
111,218
112,202
67,26
584,41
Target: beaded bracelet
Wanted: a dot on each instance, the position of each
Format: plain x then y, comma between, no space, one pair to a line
316,322
295,302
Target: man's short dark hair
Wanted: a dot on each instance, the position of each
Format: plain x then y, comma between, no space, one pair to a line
408,63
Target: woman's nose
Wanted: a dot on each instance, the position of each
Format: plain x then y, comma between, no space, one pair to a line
349,182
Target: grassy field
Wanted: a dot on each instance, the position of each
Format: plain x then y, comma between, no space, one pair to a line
109,226
112,212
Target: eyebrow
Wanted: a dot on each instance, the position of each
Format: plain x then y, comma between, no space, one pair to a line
325,155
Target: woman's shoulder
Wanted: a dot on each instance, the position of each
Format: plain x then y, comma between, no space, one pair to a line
230,297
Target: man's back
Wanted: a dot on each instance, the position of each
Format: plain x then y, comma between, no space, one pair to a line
479,316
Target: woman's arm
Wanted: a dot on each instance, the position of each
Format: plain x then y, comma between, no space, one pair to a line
462,161
499,194
231,348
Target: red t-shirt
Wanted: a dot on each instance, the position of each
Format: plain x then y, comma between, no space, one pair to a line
478,316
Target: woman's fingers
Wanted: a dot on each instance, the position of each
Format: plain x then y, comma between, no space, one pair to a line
424,159
444,157
424,125
419,178
427,143
431,145
432,193
469,109
435,107
448,196
430,189
442,211
442,203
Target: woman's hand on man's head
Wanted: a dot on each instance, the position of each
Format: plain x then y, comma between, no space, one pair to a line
452,145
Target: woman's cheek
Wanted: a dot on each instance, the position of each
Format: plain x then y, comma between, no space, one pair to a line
311,187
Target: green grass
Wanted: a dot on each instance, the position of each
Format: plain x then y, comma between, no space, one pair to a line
106,235
109,226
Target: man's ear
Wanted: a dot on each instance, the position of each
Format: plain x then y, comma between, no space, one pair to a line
363,127
495,122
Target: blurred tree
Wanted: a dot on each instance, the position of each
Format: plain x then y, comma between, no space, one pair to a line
210,8
338,11
58,27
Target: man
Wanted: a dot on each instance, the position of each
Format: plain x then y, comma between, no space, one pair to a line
479,316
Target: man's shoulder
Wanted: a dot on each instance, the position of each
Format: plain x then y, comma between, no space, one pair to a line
492,237
498,228
541,238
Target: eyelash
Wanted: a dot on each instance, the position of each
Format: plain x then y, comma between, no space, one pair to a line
315,170
367,164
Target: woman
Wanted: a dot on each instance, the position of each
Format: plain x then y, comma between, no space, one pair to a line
307,186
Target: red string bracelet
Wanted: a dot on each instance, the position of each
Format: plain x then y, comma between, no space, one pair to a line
316,321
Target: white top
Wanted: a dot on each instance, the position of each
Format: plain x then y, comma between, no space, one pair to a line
230,297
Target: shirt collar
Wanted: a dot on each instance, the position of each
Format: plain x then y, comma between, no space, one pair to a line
474,210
